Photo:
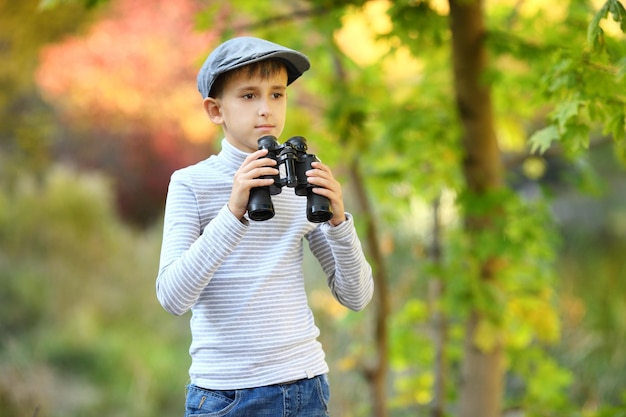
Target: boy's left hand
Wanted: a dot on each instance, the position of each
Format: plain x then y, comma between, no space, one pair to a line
329,187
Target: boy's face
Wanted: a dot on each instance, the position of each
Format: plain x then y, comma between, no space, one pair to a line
250,107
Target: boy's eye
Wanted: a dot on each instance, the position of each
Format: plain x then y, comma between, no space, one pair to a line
248,96
277,95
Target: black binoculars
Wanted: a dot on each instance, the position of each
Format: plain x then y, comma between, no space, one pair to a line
292,162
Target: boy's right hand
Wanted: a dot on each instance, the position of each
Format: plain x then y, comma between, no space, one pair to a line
248,177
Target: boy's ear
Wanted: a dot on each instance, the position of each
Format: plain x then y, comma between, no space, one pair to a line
213,109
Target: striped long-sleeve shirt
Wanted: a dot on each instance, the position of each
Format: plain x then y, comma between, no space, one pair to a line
243,281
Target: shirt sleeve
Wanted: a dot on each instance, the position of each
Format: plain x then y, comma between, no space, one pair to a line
339,252
189,255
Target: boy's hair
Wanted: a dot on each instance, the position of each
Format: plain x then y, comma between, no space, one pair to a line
262,69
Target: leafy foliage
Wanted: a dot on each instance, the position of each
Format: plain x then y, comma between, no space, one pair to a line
584,84
25,121
77,305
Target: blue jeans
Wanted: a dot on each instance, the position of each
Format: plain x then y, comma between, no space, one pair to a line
304,398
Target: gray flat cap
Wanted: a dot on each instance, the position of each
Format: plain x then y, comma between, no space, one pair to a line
244,50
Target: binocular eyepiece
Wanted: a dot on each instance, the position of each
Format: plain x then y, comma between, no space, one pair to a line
292,162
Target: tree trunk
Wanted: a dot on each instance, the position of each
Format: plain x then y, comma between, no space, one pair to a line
376,375
438,319
482,382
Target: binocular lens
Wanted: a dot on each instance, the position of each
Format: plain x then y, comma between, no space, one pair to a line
260,205
318,209
260,214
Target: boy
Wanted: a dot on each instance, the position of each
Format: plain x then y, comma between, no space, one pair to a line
254,349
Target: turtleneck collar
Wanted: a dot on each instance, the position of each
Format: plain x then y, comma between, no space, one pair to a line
231,157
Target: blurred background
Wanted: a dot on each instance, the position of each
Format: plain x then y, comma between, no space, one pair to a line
98,106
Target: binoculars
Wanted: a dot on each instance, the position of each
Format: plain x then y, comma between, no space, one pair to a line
292,161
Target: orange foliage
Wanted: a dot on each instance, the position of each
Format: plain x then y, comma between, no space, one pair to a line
129,83
138,64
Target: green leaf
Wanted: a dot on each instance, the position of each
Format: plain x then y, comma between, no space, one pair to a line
51,4
566,111
576,137
618,12
616,126
595,34
541,140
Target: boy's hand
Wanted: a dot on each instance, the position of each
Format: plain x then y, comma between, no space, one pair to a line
247,177
328,186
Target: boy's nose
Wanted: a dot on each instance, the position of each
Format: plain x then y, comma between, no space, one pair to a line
264,108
